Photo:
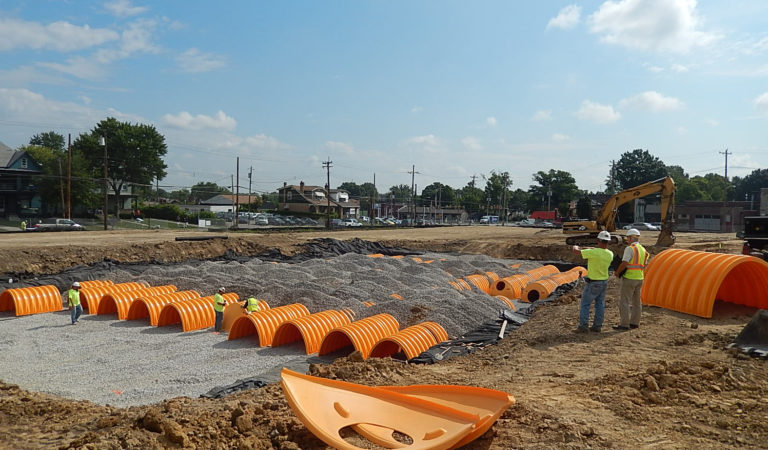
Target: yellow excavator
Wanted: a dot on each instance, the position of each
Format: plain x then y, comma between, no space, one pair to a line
585,232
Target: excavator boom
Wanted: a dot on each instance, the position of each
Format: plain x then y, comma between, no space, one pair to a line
607,216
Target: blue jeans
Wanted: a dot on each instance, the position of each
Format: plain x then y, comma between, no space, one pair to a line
75,312
594,291
219,317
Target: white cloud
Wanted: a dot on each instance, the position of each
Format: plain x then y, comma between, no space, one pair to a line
595,112
542,114
85,99
471,143
342,147
60,36
558,137
124,8
682,131
761,103
712,122
416,109
567,18
185,120
80,67
491,121
193,60
263,142
25,75
655,69
679,68
429,140
651,101
655,25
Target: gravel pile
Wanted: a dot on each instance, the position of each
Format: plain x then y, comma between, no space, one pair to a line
130,362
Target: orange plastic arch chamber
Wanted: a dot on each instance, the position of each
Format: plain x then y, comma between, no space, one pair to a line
119,302
362,334
265,323
31,300
689,281
150,306
310,329
194,313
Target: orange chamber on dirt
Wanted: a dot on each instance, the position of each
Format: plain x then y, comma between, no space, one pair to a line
94,283
689,281
265,323
411,341
194,313
120,302
31,300
360,335
544,287
310,329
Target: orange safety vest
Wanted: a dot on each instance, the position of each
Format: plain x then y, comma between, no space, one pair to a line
637,264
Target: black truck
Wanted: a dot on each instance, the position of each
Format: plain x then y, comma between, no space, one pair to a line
755,236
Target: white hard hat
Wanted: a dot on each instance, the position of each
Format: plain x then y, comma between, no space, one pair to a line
633,232
604,236
221,289
75,284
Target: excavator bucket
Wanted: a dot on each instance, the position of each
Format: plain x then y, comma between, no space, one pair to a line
488,404
328,406
753,339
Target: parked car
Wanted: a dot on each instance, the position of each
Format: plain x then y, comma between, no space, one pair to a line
337,223
352,223
641,226
261,221
58,225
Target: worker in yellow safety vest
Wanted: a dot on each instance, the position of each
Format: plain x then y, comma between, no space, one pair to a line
23,225
630,271
73,301
251,305
218,307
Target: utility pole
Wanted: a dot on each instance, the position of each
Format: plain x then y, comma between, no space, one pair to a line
250,179
726,153
103,141
327,166
473,180
237,193
69,176
413,192
612,188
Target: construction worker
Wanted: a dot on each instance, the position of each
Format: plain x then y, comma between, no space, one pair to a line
73,300
630,271
251,305
598,261
23,225
218,306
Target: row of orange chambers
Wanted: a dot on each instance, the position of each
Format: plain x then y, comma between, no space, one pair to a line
324,332
687,281
527,286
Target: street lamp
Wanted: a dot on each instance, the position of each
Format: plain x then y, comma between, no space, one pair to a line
103,142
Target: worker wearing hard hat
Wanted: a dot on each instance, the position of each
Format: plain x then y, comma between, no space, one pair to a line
630,271
598,261
73,301
251,305
218,307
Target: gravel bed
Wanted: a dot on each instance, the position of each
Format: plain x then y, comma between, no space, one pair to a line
125,363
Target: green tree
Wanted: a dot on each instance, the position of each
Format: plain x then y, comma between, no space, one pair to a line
745,188
402,193
472,199
134,154
49,139
560,184
351,187
497,190
584,207
637,167
518,200
687,192
205,190
181,195
712,186
438,194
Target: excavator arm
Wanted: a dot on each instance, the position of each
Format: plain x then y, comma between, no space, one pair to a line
607,217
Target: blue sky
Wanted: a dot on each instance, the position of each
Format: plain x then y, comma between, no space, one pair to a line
455,88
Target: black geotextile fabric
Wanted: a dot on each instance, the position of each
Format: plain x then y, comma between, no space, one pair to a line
753,339
237,386
487,334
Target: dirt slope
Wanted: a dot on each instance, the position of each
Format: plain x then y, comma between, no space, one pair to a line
669,384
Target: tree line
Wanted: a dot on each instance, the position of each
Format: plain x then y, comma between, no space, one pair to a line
135,155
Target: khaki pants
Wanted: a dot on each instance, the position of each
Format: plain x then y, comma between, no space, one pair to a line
630,306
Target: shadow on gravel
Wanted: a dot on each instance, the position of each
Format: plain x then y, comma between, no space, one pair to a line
162,330
294,349
43,327
129,324
237,344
